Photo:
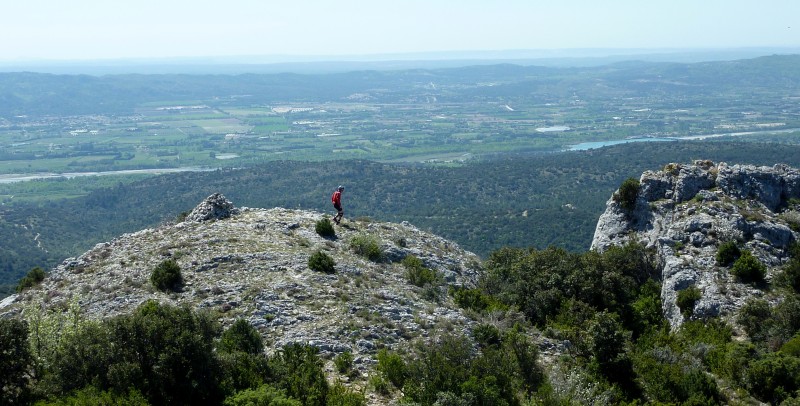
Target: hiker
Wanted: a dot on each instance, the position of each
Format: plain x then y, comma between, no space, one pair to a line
336,198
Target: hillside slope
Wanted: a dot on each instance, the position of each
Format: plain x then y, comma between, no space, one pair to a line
253,264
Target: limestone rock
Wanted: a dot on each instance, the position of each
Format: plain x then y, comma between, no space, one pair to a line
685,211
214,207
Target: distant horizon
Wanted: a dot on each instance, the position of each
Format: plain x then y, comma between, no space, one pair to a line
488,54
416,60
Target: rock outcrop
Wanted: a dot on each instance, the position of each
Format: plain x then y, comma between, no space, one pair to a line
253,264
685,212
214,207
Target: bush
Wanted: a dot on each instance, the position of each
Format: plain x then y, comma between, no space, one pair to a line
324,228
748,268
164,352
417,274
687,299
473,299
627,194
339,395
15,360
486,335
264,395
33,278
344,362
321,262
727,253
392,367
300,373
791,273
367,246
167,276
755,318
792,347
91,396
774,377
241,336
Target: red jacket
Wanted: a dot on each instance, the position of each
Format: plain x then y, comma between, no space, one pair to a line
337,197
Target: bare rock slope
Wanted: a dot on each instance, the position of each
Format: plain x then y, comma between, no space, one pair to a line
253,264
685,212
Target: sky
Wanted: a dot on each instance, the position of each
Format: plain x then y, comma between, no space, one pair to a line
121,29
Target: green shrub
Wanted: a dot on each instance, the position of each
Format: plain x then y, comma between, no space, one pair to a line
627,194
755,318
32,278
748,268
344,362
181,217
486,335
791,273
417,274
167,276
727,253
15,360
242,370
339,395
473,299
646,307
321,262
164,352
379,385
367,247
91,396
324,228
241,336
668,376
299,371
686,300
392,367
264,395
792,347
774,378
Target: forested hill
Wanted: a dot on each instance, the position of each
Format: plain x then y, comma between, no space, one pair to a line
47,94
535,200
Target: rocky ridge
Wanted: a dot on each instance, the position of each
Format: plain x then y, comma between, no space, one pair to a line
253,264
685,212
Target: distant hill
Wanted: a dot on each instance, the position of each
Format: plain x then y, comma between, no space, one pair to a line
47,94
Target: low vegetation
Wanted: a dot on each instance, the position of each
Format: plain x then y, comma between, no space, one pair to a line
167,276
686,299
159,355
417,274
324,228
727,253
321,262
606,305
33,278
627,194
748,268
367,246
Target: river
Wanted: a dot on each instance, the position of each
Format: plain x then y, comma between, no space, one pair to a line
583,146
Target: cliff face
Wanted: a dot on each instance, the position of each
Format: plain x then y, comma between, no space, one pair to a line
685,212
253,264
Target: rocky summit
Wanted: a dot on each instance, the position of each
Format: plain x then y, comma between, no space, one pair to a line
253,264
685,212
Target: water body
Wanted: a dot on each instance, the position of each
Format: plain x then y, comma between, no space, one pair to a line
12,178
584,146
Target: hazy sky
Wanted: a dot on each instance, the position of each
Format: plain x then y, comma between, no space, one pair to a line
91,29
